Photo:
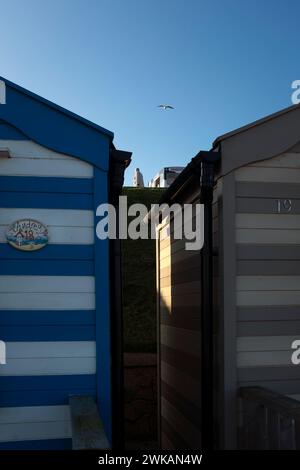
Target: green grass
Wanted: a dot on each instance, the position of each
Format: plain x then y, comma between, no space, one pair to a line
139,279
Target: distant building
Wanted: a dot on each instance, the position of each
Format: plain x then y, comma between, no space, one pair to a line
165,177
138,180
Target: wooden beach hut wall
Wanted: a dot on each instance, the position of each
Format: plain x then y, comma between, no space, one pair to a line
59,284
228,314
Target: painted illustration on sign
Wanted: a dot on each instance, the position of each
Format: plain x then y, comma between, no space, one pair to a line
27,235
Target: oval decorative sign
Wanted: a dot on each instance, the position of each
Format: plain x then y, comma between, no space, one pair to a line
27,235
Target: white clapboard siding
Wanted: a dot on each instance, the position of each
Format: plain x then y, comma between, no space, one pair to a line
253,298
265,343
258,283
65,226
285,160
49,358
45,284
45,168
34,414
30,159
35,431
32,349
49,366
47,301
52,217
264,358
268,175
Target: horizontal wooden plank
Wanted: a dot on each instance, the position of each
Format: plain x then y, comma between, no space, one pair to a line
45,168
264,358
29,149
264,190
15,318
186,385
50,217
18,284
191,410
34,414
48,383
263,283
49,267
268,252
48,332
274,373
44,200
181,317
64,225
62,235
285,160
41,444
187,363
265,328
179,421
33,184
268,313
49,366
64,349
280,386
263,205
267,236
252,298
178,289
268,221
36,431
49,252
272,175
179,277
268,267
183,340
48,301
266,343
187,300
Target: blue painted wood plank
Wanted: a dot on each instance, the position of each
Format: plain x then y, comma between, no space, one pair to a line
42,397
67,318
9,199
53,252
35,184
48,332
48,382
43,444
47,268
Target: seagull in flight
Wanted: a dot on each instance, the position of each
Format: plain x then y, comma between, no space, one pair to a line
165,106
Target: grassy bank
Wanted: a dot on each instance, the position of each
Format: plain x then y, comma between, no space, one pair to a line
139,293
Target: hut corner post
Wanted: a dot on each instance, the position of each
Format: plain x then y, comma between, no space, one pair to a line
207,172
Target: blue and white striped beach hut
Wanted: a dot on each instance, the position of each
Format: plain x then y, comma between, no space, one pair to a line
59,305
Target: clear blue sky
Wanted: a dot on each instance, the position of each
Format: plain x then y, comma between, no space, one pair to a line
221,63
